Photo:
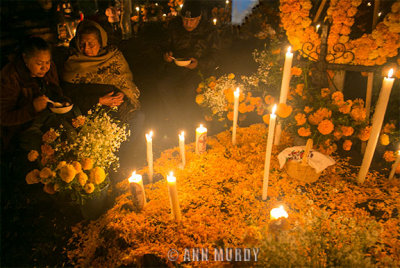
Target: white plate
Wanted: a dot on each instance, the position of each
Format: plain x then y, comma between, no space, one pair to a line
61,110
182,63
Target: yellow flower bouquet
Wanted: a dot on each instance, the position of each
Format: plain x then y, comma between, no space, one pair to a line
76,158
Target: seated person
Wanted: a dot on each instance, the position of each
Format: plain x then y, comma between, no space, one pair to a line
27,84
96,73
190,36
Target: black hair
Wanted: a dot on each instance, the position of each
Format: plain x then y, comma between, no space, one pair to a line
33,44
90,29
191,9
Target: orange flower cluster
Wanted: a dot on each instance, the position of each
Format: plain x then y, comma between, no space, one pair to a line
319,115
369,49
219,194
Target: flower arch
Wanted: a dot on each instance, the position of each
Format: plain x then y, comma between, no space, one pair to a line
370,49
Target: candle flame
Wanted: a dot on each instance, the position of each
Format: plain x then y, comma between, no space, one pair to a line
277,213
318,25
137,9
227,2
274,109
289,49
170,177
237,92
136,178
181,5
149,136
390,73
182,135
215,21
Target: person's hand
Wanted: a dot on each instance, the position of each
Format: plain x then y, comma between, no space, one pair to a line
112,101
168,56
40,103
193,64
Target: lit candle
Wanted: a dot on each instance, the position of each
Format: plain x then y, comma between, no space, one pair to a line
235,114
277,213
137,9
317,27
181,6
394,167
149,139
137,178
215,21
377,121
182,148
271,130
201,137
173,197
287,68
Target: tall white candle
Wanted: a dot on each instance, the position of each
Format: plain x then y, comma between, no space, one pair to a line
149,139
377,121
137,178
173,197
201,138
236,94
182,148
394,167
271,130
287,69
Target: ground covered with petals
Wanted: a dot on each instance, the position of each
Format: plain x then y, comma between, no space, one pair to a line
333,221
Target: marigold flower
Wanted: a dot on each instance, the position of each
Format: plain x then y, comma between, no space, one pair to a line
266,118
229,95
46,173
78,121
229,115
33,177
325,92
87,164
212,84
337,98
61,164
231,76
208,118
388,128
365,133
389,156
97,175
358,114
296,71
307,109
49,188
300,119
47,150
67,173
33,155
384,138
325,127
77,166
199,99
284,110
299,89
82,178
89,188
347,131
346,107
304,132
269,99
50,136
347,145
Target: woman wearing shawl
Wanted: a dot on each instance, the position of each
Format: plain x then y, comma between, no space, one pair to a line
98,73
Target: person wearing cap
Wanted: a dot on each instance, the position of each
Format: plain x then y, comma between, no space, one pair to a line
189,37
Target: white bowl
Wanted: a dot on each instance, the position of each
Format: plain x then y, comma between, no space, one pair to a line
61,110
182,62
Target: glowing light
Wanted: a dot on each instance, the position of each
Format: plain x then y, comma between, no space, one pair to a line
135,178
390,73
277,213
171,178
274,109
